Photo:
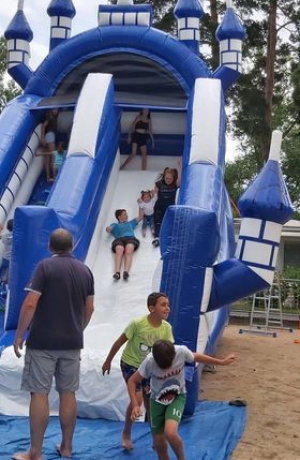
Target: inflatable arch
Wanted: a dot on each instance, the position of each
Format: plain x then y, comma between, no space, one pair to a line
102,75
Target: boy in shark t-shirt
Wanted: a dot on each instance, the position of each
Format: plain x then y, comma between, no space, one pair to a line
165,368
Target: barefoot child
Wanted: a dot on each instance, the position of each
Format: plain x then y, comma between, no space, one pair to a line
165,369
140,336
146,210
165,189
125,242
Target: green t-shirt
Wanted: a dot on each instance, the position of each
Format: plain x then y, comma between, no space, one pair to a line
141,336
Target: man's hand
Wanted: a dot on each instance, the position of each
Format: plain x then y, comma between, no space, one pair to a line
18,345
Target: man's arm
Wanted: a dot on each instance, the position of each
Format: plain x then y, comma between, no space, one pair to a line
89,310
113,351
26,315
131,386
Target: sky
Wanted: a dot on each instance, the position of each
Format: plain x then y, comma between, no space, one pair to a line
39,21
86,18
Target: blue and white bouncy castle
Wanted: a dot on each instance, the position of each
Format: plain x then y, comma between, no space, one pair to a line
99,80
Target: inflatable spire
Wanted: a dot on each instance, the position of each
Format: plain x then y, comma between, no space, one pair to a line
265,208
188,14
18,35
230,34
61,13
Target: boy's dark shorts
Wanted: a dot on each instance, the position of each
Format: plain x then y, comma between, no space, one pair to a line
128,371
123,241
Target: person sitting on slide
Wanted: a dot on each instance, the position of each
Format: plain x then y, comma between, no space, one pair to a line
125,242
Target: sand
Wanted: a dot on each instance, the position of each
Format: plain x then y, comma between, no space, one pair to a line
267,375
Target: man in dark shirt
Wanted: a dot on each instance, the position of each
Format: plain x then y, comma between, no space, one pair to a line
57,308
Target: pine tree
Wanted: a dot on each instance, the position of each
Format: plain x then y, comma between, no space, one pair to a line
270,79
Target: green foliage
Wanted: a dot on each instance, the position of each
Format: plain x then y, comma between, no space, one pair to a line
248,119
290,287
291,273
291,166
239,174
8,89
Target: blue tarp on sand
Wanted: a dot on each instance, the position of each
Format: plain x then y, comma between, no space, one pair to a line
212,433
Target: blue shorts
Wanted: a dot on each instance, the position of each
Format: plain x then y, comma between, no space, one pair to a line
50,137
128,371
148,221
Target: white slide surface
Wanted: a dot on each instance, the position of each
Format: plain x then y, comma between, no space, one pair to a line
116,304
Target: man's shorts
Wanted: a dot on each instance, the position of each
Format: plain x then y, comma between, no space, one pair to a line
123,241
42,365
128,371
159,413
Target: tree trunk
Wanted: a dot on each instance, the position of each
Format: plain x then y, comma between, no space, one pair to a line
270,71
214,25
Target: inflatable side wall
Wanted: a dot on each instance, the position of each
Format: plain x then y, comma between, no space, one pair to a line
76,197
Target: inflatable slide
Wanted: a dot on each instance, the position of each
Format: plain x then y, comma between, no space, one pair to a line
99,80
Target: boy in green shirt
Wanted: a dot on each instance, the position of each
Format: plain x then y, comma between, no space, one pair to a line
140,335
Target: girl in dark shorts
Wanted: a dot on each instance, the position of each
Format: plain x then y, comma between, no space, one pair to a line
125,242
140,131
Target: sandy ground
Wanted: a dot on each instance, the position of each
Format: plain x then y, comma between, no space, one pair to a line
267,375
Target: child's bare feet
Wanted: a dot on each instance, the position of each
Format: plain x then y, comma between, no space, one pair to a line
65,453
126,441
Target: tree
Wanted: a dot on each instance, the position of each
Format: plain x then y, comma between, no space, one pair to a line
8,89
239,174
291,166
271,55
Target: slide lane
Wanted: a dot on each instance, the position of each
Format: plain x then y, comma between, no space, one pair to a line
116,303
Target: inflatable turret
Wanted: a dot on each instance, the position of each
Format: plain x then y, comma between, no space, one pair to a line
18,35
265,207
61,13
188,14
230,35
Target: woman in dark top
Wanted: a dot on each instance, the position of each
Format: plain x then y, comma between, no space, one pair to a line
140,131
165,188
